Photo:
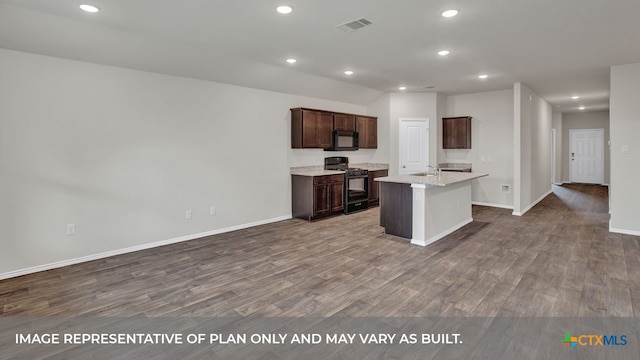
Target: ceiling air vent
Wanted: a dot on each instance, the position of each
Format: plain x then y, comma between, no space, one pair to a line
354,25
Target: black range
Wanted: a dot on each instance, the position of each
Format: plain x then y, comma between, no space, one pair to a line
356,184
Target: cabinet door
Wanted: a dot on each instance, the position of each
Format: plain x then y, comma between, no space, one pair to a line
367,128
456,133
374,186
316,129
325,126
321,200
372,134
449,134
310,121
344,122
337,196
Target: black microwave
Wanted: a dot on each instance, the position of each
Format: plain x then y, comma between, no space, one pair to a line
343,141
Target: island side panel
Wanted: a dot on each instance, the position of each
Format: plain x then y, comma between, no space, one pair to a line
441,211
302,196
396,209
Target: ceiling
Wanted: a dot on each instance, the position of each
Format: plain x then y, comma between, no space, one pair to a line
559,49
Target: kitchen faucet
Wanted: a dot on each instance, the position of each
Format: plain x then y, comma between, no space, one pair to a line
436,170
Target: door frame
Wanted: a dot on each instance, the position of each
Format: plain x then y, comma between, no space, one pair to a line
601,131
400,144
553,156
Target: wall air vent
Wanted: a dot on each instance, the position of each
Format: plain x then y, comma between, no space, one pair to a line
354,25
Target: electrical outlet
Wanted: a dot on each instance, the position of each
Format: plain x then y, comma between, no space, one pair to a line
71,229
187,215
212,211
625,149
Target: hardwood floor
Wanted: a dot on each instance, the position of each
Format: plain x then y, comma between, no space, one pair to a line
557,260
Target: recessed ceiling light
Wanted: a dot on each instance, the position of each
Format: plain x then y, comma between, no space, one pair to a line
444,52
348,72
284,9
575,97
450,13
89,8
291,61
402,88
483,76
581,108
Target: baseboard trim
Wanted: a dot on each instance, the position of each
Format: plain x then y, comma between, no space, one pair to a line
623,231
569,182
59,264
520,213
441,235
492,205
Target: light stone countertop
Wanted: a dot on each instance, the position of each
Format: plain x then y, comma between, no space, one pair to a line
371,166
316,172
319,170
444,179
454,166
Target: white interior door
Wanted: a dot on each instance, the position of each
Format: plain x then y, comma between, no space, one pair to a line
587,155
414,145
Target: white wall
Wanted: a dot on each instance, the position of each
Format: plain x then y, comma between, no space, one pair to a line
442,112
122,154
532,148
381,108
585,120
412,105
625,168
491,143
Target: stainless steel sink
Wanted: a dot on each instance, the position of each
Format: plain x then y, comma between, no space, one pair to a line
431,171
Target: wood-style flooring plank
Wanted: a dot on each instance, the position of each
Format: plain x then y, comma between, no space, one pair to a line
557,260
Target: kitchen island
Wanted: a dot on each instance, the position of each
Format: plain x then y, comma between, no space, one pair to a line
425,208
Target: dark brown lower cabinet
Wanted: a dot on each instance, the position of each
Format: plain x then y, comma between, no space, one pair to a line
316,196
374,186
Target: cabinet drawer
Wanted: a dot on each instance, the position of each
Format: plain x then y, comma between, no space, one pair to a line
328,179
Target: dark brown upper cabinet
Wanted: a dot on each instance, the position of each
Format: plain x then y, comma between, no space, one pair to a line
456,132
344,122
367,128
311,128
